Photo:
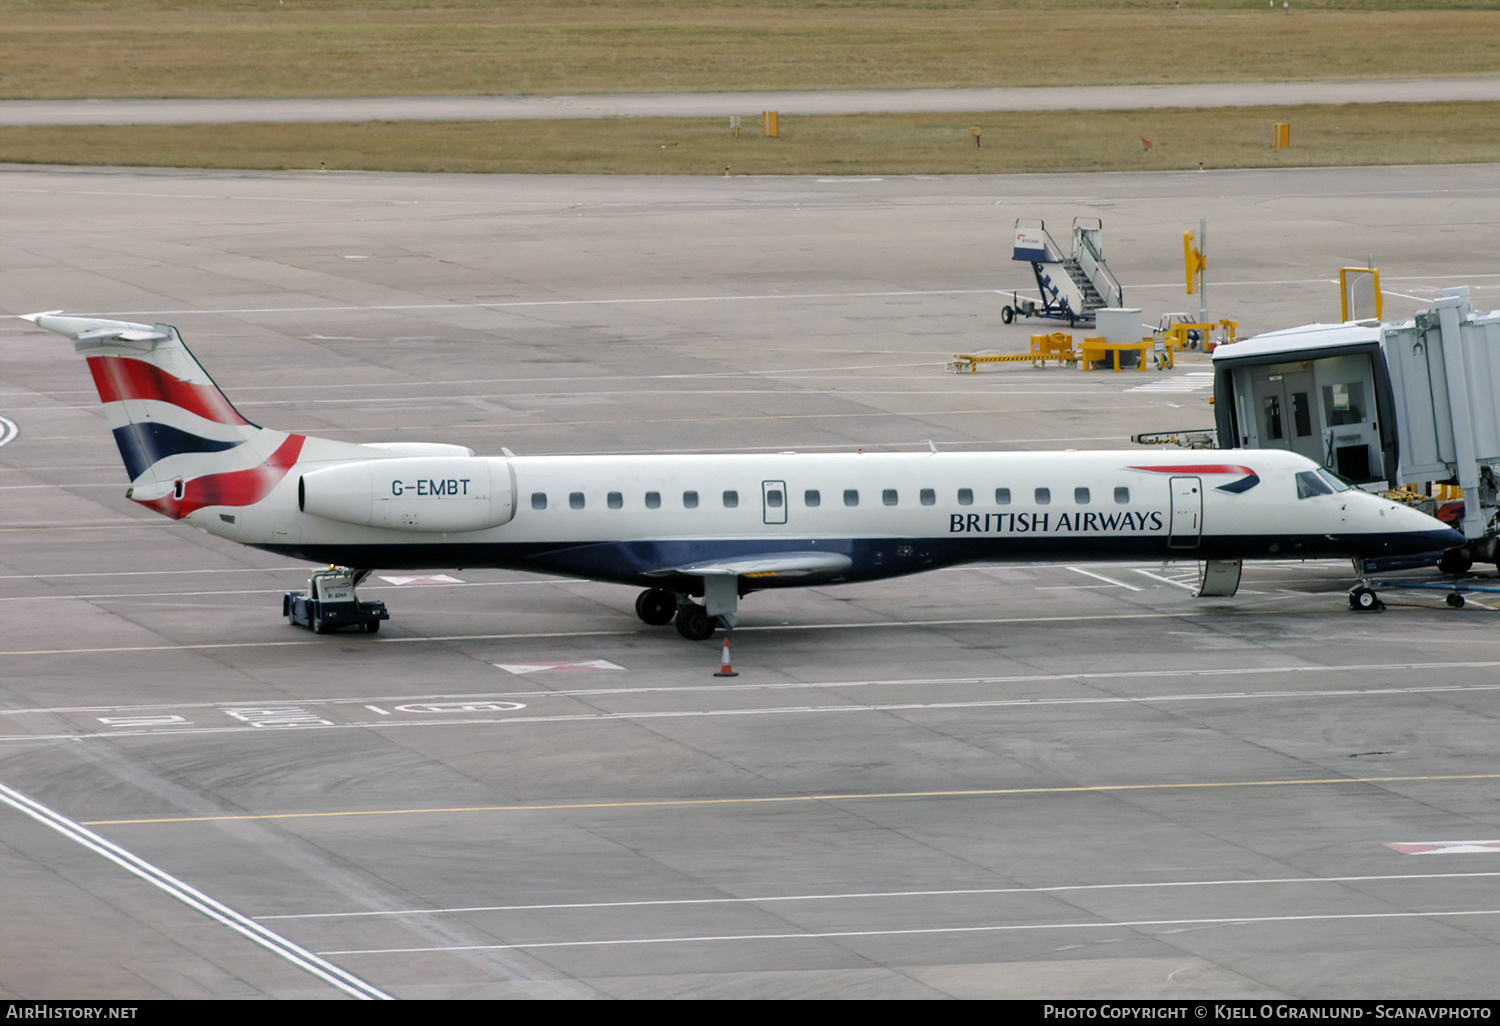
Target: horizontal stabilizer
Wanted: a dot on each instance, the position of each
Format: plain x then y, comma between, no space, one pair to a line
94,329
772,564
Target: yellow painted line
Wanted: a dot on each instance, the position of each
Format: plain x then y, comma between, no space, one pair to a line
785,799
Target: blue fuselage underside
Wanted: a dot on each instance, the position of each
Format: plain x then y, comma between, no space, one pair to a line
641,562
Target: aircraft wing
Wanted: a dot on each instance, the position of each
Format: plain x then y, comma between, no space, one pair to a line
771,564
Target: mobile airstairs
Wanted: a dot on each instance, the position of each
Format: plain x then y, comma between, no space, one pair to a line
1072,286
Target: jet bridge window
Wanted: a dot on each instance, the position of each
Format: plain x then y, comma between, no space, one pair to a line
1272,409
1310,483
966,496
811,497
888,496
928,497
851,496
575,500
538,500
653,500
731,499
689,500
1081,496
1002,496
614,500
1043,496
1344,404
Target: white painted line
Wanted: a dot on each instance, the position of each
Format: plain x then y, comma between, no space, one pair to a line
301,719
1029,678
883,895
923,931
743,629
193,898
1175,584
526,303
8,430
1101,577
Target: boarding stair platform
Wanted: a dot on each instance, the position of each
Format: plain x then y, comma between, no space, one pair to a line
1073,284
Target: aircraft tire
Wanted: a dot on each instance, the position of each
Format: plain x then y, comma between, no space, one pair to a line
694,623
1364,600
1455,561
656,606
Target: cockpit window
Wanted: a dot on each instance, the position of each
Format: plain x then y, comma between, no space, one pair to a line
1309,483
1338,483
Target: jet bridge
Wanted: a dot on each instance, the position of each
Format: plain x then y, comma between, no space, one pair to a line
1072,285
1383,405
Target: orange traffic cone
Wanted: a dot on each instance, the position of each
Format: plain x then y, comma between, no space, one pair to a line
725,670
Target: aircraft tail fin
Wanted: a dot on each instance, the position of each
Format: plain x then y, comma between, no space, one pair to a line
184,444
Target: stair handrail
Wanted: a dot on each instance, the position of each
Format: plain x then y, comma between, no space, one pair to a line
1095,267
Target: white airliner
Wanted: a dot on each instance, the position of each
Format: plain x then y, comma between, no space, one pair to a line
715,527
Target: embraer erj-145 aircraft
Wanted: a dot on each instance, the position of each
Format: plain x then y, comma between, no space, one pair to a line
709,527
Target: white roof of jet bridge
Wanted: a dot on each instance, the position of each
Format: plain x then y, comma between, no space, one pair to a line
1301,339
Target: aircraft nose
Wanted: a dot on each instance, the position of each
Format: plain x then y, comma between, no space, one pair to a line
1427,533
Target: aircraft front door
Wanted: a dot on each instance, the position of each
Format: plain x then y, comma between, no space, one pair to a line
773,501
1187,513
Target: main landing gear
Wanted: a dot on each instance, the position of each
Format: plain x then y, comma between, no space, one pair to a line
658,607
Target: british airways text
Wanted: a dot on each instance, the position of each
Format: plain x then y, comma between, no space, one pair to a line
1040,523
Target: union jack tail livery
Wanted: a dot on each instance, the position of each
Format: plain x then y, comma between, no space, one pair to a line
184,444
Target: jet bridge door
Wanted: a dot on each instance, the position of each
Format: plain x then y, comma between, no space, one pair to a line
1285,405
1187,513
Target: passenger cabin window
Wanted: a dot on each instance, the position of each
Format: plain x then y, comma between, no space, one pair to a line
1002,496
888,496
538,500
811,497
966,496
653,500
731,499
575,500
1043,496
614,500
689,500
929,497
773,498
1122,495
1081,496
851,496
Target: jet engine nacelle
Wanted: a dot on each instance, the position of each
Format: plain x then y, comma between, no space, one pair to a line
430,494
